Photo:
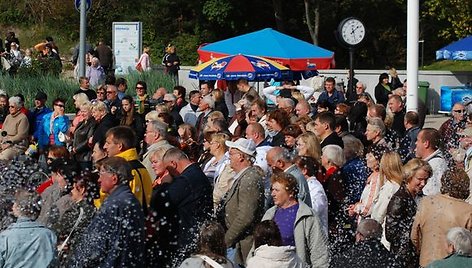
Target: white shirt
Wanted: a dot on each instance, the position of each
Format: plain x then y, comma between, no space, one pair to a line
269,92
379,211
319,201
439,166
188,115
261,160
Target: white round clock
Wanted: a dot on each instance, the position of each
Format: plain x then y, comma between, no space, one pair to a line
351,31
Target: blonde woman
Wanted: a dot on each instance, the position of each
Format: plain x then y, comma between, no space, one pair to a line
105,121
85,129
144,63
391,176
159,168
308,144
79,100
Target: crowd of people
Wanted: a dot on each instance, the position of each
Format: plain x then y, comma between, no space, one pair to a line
13,59
217,178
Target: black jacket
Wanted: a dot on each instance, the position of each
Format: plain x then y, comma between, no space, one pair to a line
278,140
222,107
83,132
381,95
91,94
107,122
334,139
400,215
365,254
398,124
115,237
190,196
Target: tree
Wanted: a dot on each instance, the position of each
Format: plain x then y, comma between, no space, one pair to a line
313,23
454,16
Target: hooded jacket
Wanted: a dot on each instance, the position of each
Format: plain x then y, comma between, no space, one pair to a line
310,241
275,257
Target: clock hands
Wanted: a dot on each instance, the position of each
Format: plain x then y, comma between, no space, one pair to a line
354,29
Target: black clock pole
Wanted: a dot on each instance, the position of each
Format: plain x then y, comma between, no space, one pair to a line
352,89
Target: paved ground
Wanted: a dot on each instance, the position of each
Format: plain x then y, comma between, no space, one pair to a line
435,120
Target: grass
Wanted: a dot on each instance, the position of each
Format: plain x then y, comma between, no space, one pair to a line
63,87
53,86
449,65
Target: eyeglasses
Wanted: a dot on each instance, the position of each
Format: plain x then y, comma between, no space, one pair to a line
101,93
110,92
459,111
59,105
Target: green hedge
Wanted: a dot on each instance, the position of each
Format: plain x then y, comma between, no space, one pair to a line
30,83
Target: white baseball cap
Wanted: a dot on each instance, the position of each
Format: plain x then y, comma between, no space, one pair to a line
244,145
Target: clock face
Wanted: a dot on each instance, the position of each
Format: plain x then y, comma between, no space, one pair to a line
352,31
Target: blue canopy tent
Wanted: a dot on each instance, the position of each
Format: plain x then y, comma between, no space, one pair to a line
459,50
296,54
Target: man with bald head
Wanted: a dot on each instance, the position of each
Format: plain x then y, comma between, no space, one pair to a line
189,196
280,159
303,108
368,250
256,133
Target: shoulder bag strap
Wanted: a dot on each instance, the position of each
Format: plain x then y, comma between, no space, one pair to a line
210,261
136,165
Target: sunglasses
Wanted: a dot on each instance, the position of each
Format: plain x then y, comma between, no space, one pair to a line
459,111
139,87
110,92
59,105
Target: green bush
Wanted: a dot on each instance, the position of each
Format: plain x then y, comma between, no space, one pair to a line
29,85
153,79
58,87
41,67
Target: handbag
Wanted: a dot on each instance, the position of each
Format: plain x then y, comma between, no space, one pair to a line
139,67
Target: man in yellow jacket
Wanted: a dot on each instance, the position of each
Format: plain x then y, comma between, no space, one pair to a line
120,141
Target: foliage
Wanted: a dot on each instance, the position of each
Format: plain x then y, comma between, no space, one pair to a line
187,24
455,15
41,67
218,11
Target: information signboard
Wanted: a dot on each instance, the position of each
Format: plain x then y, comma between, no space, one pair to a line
127,45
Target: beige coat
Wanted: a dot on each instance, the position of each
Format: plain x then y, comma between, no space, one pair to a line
243,210
436,215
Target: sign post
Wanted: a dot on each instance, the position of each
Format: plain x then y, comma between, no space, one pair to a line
87,2
84,6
